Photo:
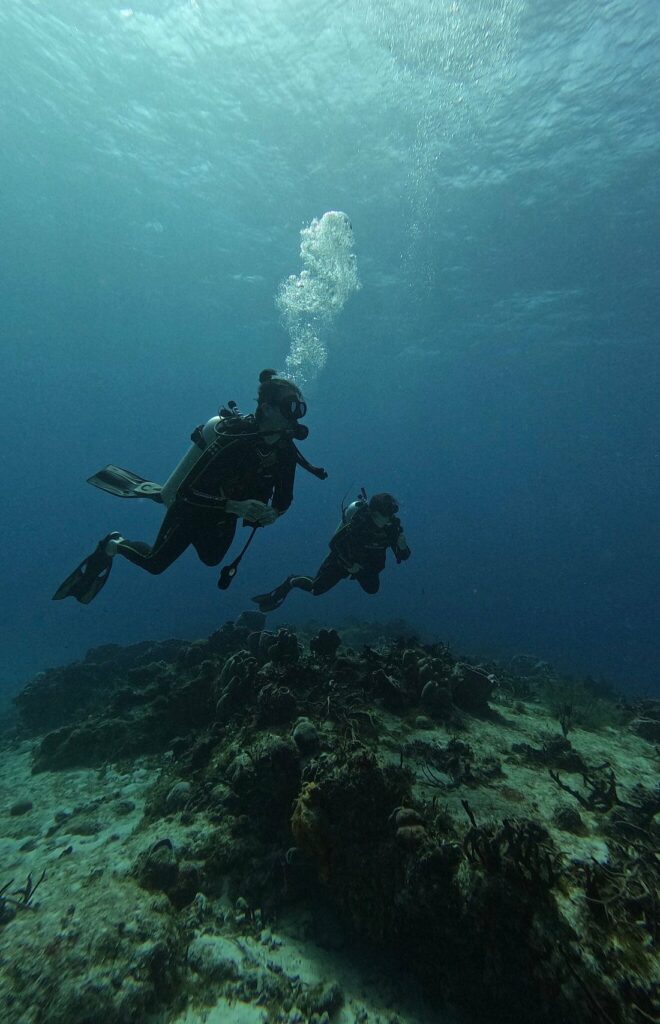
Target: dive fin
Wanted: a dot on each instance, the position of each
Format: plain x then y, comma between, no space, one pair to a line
124,484
274,598
87,578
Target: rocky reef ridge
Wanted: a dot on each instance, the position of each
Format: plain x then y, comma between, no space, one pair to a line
193,812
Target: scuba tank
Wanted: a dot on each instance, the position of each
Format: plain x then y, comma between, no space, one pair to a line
341,534
205,439
348,511
201,437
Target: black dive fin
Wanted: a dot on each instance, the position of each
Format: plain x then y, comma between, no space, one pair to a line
87,578
124,484
274,598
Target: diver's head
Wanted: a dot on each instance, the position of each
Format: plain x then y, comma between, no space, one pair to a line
280,406
383,507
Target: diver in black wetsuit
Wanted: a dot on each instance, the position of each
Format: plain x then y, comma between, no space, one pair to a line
237,465
357,551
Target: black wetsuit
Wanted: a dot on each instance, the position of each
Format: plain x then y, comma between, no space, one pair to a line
237,465
358,542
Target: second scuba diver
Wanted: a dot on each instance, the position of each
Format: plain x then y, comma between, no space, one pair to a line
357,551
235,467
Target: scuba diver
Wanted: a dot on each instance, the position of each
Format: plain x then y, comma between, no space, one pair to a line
235,467
357,551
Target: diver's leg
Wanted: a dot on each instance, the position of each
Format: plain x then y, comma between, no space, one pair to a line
329,573
213,542
172,540
328,576
369,581
305,583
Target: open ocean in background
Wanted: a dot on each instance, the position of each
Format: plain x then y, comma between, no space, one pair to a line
498,370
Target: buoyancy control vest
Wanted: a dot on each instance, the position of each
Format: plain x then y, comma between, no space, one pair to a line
202,437
209,438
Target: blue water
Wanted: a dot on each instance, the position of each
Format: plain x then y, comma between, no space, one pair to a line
498,370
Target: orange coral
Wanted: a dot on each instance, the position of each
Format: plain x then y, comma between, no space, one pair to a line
308,828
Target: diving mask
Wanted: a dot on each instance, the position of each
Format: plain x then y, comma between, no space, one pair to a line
293,407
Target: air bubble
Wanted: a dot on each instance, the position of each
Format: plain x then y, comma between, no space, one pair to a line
310,301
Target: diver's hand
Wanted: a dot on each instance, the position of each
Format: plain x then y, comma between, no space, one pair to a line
252,511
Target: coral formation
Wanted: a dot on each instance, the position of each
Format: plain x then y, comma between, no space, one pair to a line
421,803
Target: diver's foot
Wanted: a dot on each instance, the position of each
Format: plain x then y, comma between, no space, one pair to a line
110,543
274,598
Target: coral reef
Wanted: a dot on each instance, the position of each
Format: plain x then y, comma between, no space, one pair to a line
400,795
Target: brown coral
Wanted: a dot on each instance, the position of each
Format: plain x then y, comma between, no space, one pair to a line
308,829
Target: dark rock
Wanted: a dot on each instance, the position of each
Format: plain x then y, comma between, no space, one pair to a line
20,807
7,912
282,647
215,957
189,881
237,696
266,780
241,771
250,620
647,728
180,745
124,807
471,688
325,644
648,708
436,699
330,999
388,690
410,666
254,643
556,752
194,654
157,868
223,799
410,837
68,694
87,744
82,826
568,819
305,736
200,753
178,796
275,704
407,816
327,927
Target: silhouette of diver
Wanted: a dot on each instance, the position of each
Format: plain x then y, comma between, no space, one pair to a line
235,467
358,550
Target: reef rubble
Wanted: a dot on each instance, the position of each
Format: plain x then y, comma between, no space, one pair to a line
221,829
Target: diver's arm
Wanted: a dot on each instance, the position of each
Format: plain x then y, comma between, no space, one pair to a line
400,548
255,512
283,490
